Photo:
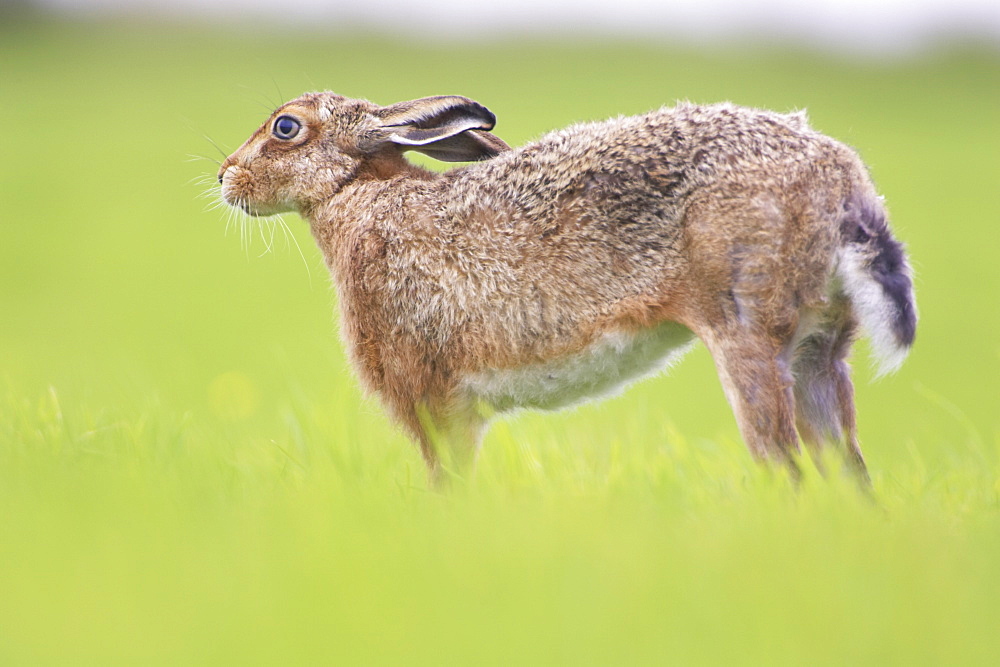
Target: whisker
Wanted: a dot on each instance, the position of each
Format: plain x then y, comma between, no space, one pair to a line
257,100
212,196
278,88
195,157
207,138
206,180
222,152
229,220
262,223
267,227
214,204
273,227
232,222
246,234
289,235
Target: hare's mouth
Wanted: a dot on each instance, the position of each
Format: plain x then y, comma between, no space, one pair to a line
255,210
236,200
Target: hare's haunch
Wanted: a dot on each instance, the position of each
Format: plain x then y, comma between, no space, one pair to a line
564,269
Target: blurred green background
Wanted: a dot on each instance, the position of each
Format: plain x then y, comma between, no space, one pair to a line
188,472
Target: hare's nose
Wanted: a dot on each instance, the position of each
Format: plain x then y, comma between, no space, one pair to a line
222,169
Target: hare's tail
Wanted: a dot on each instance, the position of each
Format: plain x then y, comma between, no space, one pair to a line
876,276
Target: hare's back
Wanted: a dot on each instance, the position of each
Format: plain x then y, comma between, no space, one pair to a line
626,167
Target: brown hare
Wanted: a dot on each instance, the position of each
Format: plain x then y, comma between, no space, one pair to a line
560,271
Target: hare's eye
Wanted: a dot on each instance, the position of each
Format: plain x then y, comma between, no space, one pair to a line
286,127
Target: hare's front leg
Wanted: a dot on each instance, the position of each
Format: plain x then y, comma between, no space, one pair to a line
757,380
449,438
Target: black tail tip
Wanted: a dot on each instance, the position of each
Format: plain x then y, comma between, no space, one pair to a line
865,224
892,272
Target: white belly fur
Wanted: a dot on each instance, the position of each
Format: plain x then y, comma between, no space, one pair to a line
606,367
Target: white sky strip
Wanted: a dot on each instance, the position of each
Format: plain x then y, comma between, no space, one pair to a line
866,25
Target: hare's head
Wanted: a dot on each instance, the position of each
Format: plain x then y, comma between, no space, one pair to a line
312,146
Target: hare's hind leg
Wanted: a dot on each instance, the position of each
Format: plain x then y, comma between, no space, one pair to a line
824,394
756,378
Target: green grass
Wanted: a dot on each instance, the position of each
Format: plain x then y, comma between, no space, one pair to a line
189,474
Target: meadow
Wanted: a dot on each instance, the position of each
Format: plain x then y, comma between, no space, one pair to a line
189,474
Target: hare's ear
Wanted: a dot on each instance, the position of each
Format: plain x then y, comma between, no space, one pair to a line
448,128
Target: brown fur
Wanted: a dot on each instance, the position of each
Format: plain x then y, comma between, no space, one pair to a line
721,219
